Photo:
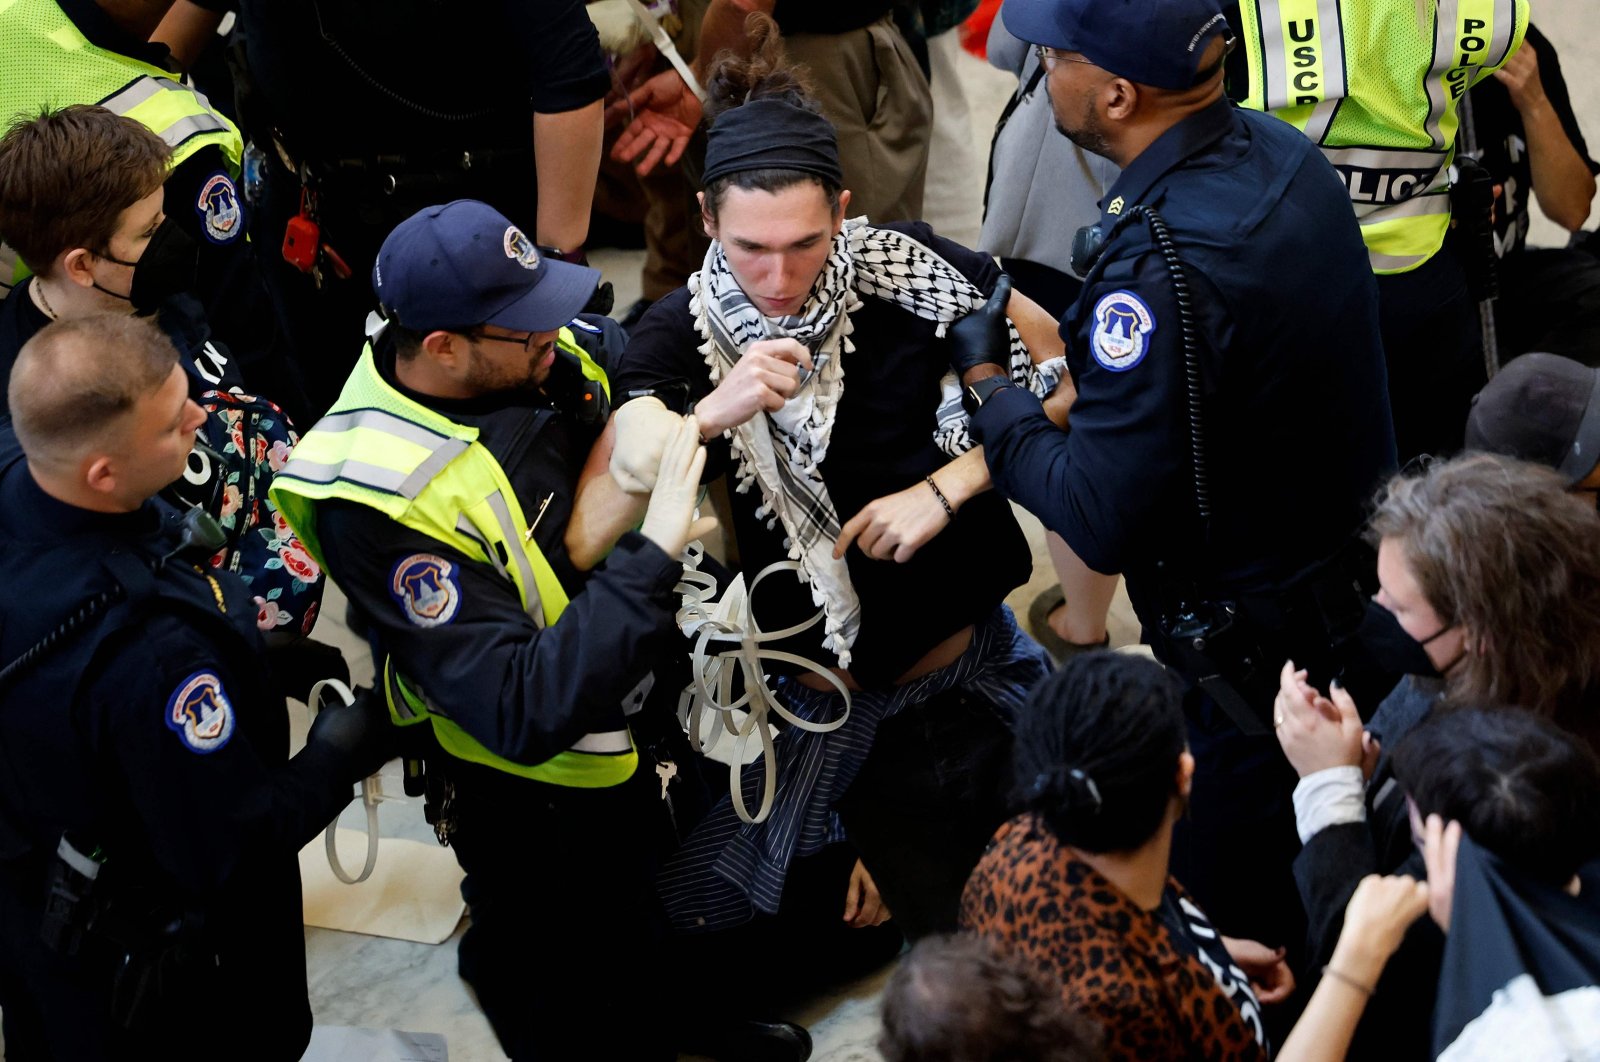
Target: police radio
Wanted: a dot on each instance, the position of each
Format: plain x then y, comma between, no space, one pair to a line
1087,245
1210,640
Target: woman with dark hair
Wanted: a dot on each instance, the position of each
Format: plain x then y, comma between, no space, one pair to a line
1078,882
1503,805
1518,786
1077,885
812,348
1493,569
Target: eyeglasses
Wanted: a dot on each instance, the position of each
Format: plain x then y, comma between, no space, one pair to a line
1048,57
525,342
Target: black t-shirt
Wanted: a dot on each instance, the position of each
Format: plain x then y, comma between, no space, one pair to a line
346,78
882,442
827,16
1503,141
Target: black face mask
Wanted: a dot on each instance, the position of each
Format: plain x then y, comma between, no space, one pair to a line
169,266
1395,650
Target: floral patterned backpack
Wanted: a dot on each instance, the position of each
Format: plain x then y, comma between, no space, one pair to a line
244,441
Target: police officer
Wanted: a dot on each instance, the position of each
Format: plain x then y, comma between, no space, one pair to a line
1378,86
149,824
359,126
62,52
1224,437
437,492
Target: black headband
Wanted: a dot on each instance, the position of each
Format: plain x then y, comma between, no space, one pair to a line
772,134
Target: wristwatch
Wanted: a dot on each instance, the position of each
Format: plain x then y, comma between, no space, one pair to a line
975,396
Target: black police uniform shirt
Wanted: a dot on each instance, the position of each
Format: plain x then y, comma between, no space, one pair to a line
1503,142
1297,429
155,733
524,693
882,443
209,365
201,196
349,78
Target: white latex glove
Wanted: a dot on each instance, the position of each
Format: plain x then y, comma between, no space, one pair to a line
643,428
619,27
669,521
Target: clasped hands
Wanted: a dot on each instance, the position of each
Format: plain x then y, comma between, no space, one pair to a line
1318,732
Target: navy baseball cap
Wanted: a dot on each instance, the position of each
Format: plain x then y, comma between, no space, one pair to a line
1151,42
465,264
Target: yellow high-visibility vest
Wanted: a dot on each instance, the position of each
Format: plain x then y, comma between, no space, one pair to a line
1377,84
426,472
50,64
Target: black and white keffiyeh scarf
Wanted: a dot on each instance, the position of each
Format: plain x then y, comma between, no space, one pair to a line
781,451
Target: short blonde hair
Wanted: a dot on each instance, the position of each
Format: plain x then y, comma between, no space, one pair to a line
75,381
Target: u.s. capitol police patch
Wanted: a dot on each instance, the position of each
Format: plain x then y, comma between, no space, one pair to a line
1122,327
427,588
200,713
221,216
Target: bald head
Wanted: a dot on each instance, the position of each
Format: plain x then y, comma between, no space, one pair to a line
76,383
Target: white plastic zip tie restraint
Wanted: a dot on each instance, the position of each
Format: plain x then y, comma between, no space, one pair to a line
371,796
665,46
731,622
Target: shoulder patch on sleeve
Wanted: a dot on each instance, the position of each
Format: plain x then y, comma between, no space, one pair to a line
221,216
200,713
427,588
1121,332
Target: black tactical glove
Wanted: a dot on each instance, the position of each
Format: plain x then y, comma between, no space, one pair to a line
360,734
982,337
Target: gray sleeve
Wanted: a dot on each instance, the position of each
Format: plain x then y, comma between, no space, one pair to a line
1005,51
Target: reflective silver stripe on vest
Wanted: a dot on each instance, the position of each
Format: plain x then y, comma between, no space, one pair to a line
378,420
1419,207
1505,29
146,88
442,450
1292,76
1384,180
1335,79
600,743
397,697
1394,262
1445,16
1446,54
513,541
358,472
605,743
468,528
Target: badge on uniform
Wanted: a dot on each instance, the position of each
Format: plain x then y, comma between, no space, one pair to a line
221,217
427,588
1122,327
200,713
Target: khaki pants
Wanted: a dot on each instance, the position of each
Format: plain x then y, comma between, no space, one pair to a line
874,93
872,90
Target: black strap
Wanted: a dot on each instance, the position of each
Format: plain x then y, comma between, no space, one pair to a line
1005,116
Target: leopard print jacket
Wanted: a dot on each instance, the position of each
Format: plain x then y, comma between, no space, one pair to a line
1116,963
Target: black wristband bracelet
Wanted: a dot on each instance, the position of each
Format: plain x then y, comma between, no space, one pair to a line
937,493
